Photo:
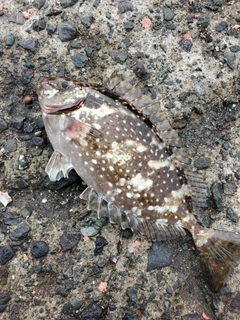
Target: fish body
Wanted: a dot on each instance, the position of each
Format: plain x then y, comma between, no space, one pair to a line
124,148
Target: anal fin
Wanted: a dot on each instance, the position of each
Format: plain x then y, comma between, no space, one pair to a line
58,167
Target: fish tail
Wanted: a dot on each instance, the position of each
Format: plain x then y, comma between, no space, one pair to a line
220,251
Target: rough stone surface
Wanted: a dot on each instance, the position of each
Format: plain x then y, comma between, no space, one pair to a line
39,249
202,163
159,249
6,254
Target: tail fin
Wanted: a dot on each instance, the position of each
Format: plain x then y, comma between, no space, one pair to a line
220,251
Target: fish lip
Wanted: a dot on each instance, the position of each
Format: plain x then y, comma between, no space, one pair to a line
58,109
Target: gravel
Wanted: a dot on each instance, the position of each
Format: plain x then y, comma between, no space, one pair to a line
188,59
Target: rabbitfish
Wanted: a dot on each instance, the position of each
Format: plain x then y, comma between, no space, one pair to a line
124,148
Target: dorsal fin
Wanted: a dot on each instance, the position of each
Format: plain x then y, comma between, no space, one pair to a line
151,110
156,231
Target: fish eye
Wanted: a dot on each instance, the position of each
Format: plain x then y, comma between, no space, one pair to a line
64,84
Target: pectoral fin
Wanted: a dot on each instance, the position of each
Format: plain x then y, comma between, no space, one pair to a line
58,167
79,132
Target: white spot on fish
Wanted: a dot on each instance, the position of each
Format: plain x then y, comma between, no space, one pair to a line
140,183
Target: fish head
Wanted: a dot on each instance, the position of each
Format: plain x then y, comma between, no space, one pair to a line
59,95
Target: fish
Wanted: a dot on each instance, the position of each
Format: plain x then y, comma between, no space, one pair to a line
122,145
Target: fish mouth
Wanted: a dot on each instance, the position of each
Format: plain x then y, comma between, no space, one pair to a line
46,84
59,109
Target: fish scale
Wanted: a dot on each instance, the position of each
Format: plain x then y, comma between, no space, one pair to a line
123,146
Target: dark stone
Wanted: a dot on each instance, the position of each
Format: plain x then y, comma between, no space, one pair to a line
10,146
19,184
18,19
20,233
100,243
3,125
29,44
88,51
237,174
62,183
229,188
68,3
67,309
217,197
39,249
202,163
140,71
159,255
26,77
66,32
204,20
230,59
4,299
39,25
126,233
76,304
75,45
235,48
61,71
53,12
231,215
128,316
170,26
191,317
186,45
131,293
11,218
91,312
128,26
39,122
51,29
221,26
6,254
69,240
96,3
38,3
46,67
18,122
37,269
236,302
86,18
210,7
168,14
127,42
124,6
38,142
61,292
119,56
79,60
9,40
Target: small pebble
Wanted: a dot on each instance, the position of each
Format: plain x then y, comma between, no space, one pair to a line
6,254
39,249
9,40
66,32
20,233
131,293
79,60
69,240
202,163
86,18
231,215
27,100
217,197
